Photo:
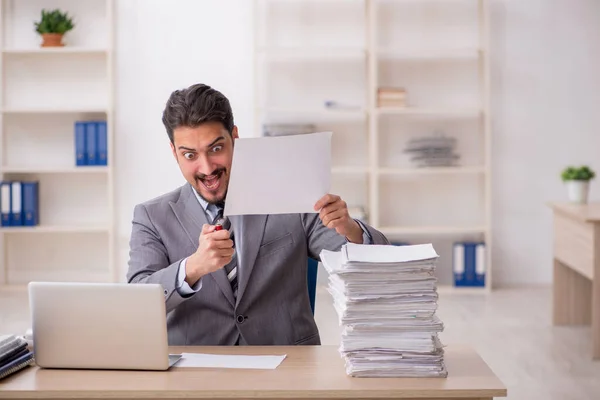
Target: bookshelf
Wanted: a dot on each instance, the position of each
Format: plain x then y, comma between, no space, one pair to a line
311,52
43,92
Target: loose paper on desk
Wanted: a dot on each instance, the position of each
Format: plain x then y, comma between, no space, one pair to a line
201,360
279,175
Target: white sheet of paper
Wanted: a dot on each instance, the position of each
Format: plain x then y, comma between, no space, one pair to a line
201,360
387,253
279,175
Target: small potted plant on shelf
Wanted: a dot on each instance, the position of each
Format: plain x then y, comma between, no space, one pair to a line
52,26
578,180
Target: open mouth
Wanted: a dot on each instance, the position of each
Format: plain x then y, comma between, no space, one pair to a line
212,182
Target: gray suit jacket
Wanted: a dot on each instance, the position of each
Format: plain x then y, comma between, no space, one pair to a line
272,307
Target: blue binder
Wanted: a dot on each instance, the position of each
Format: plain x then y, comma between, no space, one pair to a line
90,142
5,202
101,143
80,145
469,264
31,203
16,204
480,260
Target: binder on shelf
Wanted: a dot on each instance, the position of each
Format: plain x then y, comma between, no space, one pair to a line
5,202
101,143
30,203
16,214
468,264
480,264
80,145
19,203
90,143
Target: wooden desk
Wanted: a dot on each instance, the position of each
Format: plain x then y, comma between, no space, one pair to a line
315,372
577,267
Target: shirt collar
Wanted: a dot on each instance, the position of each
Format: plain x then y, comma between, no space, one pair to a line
202,202
211,209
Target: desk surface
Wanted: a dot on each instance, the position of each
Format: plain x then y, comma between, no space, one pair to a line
583,212
307,372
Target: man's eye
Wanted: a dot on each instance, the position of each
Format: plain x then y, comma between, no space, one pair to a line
217,148
189,156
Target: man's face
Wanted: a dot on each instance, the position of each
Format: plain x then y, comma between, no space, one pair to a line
204,155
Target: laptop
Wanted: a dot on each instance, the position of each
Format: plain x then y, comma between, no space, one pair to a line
99,326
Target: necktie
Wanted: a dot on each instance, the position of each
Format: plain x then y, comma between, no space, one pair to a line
231,267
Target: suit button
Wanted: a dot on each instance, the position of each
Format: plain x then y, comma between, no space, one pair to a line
240,318
166,292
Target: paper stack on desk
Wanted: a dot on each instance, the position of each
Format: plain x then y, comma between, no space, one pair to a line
386,299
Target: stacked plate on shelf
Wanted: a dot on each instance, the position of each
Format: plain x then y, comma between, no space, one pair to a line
386,299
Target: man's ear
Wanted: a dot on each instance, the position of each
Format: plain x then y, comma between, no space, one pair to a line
234,132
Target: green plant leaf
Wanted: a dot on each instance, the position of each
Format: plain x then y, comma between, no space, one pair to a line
582,173
54,21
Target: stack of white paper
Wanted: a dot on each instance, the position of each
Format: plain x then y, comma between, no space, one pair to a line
386,299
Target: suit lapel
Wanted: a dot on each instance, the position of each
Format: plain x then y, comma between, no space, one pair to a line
251,228
191,216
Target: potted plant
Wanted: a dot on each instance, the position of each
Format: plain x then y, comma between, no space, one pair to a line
577,180
52,26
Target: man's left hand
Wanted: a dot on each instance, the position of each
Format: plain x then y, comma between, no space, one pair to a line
334,214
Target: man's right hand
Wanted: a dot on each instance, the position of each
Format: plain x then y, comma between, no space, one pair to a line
215,250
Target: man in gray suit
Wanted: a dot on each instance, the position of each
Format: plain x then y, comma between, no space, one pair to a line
247,283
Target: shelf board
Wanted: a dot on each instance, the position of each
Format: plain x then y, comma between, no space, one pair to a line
408,230
57,110
55,50
54,229
350,170
429,55
432,170
313,115
456,113
315,52
315,110
55,170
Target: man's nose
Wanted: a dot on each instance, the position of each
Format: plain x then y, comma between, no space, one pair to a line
205,166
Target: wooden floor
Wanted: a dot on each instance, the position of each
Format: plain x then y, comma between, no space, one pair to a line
510,328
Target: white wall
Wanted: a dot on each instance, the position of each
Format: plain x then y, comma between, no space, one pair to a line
163,45
545,58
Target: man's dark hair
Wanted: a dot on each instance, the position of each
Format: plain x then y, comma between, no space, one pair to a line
194,106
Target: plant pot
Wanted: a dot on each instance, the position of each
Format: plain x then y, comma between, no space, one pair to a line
578,191
52,40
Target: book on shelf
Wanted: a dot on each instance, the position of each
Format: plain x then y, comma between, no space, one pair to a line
392,97
14,355
19,203
91,143
468,264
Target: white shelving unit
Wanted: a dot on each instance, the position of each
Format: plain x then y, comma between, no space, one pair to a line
44,91
309,52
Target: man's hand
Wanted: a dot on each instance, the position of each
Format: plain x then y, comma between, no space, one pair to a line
215,250
334,214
